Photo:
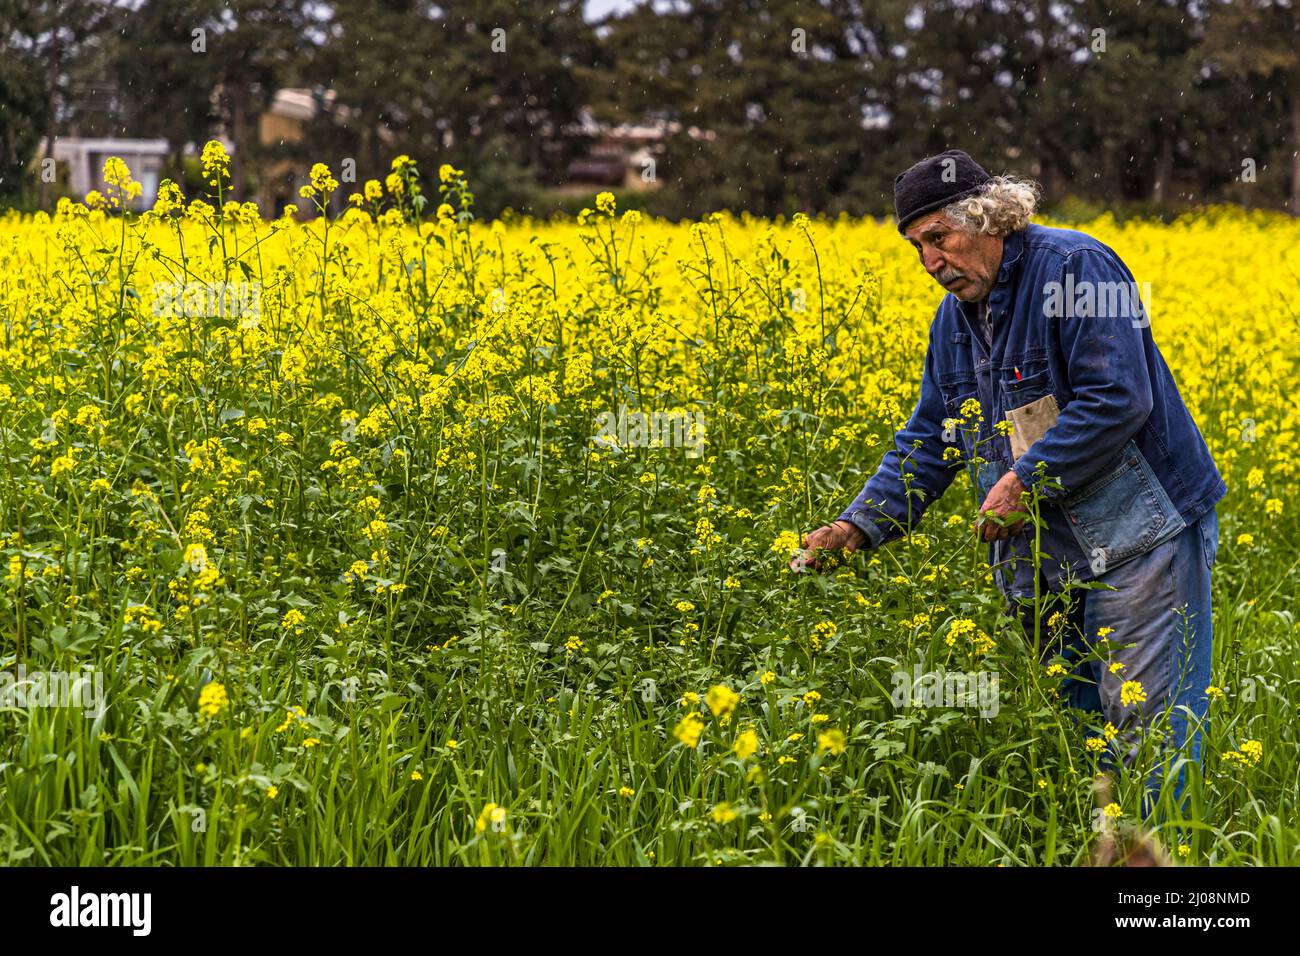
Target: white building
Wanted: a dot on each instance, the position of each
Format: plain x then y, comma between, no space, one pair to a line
85,159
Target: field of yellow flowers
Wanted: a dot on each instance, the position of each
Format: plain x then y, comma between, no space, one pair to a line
397,537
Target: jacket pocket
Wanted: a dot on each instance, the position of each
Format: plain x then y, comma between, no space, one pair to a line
1123,513
956,390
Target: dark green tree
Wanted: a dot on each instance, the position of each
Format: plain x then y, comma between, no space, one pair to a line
23,101
461,82
55,34
769,99
1261,40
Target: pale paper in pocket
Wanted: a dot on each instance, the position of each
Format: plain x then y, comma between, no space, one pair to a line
1030,422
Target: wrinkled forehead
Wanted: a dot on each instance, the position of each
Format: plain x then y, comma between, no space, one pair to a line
929,226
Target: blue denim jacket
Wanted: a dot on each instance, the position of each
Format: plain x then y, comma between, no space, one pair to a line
1132,465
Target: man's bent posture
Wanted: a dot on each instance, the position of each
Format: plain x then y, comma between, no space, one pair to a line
1044,329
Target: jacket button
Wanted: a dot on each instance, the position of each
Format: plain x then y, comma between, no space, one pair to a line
1132,461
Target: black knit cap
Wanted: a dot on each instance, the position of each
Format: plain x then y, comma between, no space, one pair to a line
934,182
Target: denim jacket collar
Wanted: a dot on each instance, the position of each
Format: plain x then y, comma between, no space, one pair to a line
1013,247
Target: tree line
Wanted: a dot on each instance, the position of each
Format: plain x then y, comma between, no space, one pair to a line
775,105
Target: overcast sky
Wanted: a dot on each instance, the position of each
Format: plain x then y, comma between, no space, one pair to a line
598,8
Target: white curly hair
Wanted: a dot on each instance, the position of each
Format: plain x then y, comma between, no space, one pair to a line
1004,205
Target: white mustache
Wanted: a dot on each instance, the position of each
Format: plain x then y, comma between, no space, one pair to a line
946,277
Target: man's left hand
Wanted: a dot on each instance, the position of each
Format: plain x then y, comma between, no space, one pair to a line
1003,500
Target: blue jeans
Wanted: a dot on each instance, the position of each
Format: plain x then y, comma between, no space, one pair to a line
1163,637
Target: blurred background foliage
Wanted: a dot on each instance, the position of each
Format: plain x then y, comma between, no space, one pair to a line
767,106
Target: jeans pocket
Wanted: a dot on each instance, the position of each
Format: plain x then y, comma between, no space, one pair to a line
1210,536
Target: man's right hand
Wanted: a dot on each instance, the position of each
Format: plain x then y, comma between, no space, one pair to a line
831,537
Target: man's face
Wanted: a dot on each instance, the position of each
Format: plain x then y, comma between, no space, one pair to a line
966,264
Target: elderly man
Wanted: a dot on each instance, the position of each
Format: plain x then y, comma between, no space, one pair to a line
1041,373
